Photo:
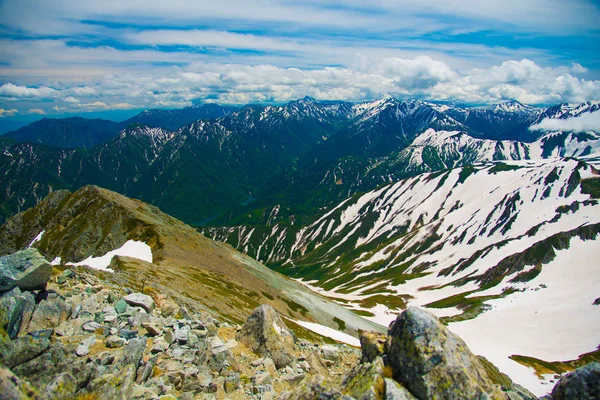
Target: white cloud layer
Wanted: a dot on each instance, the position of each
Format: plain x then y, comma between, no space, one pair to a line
582,123
419,77
8,113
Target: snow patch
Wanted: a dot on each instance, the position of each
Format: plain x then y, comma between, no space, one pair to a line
37,238
131,248
329,332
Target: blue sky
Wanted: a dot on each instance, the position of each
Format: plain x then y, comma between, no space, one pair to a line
116,57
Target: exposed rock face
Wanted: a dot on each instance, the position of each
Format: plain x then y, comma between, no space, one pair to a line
582,384
266,335
432,362
26,269
365,381
49,313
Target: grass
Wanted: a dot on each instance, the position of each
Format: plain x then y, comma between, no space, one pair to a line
591,186
542,367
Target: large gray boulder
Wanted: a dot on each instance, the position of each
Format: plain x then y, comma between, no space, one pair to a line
16,309
11,387
432,362
581,384
27,269
266,335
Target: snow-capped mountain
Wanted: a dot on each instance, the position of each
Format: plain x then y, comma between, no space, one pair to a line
465,243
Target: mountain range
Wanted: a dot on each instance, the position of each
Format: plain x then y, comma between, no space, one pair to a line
472,213
302,156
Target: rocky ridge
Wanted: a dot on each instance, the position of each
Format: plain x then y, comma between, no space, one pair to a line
85,337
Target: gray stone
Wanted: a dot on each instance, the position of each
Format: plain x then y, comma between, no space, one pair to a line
27,269
365,381
91,326
395,391
115,386
16,309
121,306
63,386
84,348
159,346
11,387
372,345
581,384
266,335
232,381
432,362
330,352
114,342
140,300
132,353
21,350
49,313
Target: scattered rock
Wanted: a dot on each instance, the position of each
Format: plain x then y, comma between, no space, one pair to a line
581,384
121,306
21,350
140,300
432,362
27,269
91,326
232,381
266,335
84,348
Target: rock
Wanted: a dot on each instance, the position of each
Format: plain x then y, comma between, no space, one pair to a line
113,342
432,362
315,388
152,329
132,353
232,382
49,313
181,335
330,352
317,364
147,370
395,391
115,386
91,326
266,335
121,306
27,269
84,348
127,334
140,300
365,381
372,345
63,387
261,378
65,276
21,350
11,387
581,384
16,309
159,346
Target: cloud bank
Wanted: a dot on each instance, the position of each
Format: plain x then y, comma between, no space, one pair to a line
582,123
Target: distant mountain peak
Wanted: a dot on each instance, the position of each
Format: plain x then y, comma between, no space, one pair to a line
512,106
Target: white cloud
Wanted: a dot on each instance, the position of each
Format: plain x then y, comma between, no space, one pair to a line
582,123
10,91
8,113
37,111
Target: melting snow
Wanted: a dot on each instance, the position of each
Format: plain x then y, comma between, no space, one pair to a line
131,248
558,322
37,238
56,261
330,333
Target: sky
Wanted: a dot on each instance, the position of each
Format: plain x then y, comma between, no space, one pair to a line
114,58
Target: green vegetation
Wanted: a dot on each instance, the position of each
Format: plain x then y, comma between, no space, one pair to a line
340,323
542,367
500,167
591,186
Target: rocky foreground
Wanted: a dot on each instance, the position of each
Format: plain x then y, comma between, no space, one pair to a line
66,333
